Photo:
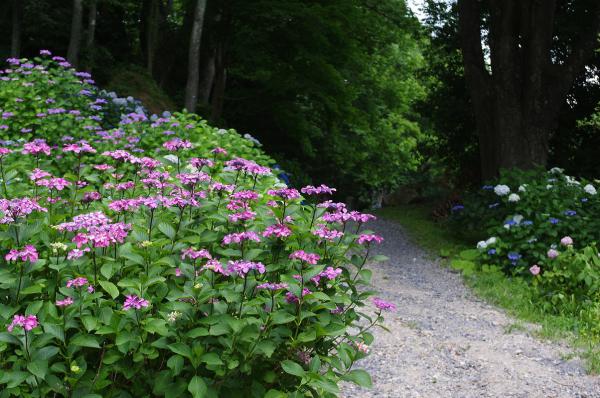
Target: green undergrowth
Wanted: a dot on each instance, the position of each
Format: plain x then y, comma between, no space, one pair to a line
514,295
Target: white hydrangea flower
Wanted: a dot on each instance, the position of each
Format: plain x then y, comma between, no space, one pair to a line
549,186
491,241
221,131
252,139
589,189
481,245
518,218
572,181
513,197
556,170
522,188
501,190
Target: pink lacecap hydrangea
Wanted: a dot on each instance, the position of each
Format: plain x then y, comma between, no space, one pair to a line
77,282
239,237
383,305
309,258
133,301
277,230
28,253
194,254
242,267
65,302
27,322
369,238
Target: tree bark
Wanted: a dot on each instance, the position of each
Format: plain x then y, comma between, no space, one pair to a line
191,88
92,18
517,97
218,95
207,80
75,40
151,30
15,45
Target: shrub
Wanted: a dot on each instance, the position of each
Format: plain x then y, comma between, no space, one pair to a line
526,214
185,270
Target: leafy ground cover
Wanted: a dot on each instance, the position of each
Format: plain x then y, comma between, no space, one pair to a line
156,255
516,294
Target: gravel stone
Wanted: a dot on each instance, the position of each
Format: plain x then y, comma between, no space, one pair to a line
445,342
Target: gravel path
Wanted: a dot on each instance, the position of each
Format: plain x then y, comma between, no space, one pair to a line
444,342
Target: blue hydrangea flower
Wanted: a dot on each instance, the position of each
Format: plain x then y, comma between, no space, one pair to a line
491,252
487,187
570,213
527,222
457,208
554,220
584,200
494,205
514,257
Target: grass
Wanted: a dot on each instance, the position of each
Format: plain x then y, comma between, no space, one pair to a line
514,295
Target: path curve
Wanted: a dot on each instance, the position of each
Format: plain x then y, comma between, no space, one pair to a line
445,342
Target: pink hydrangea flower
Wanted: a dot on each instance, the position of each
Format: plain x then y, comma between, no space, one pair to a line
242,267
77,282
553,253
240,237
566,241
309,258
28,253
535,269
277,230
368,238
134,301
383,305
28,322
194,254
65,302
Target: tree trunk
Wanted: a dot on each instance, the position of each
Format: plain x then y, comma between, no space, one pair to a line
91,32
218,96
75,41
191,88
517,97
15,45
208,78
152,29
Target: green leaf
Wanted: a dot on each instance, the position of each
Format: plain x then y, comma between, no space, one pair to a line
197,387
281,317
84,340
38,368
211,358
360,377
175,363
110,288
167,229
181,349
292,368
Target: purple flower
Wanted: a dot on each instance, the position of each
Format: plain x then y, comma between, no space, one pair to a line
383,305
134,301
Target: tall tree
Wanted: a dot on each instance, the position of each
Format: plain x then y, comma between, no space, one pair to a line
75,40
150,31
92,18
193,75
15,45
517,95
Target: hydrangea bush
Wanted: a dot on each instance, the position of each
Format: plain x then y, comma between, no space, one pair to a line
144,263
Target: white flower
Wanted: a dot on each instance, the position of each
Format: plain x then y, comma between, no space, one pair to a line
221,131
172,158
518,218
491,241
522,187
572,181
589,188
513,197
501,190
481,244
556,170
549,186
252,139
173,316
